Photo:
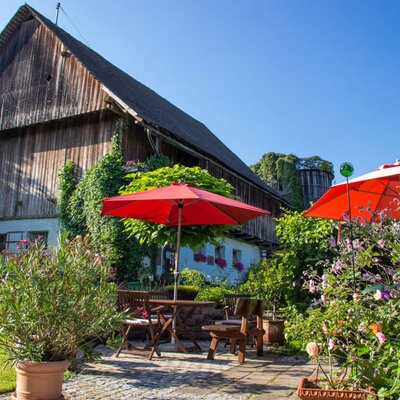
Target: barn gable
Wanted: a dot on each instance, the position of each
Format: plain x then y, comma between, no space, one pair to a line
47,79
142,102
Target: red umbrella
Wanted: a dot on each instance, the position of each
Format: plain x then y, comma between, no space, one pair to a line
180,204
370,194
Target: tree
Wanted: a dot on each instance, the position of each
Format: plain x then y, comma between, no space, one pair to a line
192,236
281,171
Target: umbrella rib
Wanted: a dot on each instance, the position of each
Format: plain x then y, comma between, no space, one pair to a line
223,212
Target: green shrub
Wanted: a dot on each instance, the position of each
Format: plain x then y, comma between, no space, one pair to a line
53,303
270,280
184,292
193,277
214,293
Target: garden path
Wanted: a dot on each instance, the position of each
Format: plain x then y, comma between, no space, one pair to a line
188,376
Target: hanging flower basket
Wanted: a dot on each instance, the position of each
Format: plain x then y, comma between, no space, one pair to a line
309,390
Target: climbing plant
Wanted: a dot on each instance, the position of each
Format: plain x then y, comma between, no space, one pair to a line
192,236
281,171
80,207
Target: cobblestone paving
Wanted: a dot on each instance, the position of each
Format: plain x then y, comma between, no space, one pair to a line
188,376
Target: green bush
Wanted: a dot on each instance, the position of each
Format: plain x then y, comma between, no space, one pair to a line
53,303
214,293
184,292
193,277
270,280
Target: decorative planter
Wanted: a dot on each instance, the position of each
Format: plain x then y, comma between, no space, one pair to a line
309,390
183,294
40,380
273,331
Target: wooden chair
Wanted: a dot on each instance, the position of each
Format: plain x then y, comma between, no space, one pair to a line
245,308
230,301
137,304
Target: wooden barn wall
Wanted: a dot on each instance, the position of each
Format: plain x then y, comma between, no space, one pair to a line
38,83
134,143
263,227
32,157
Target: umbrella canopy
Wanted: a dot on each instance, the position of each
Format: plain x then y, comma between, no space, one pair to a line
199,207
370,194
180,204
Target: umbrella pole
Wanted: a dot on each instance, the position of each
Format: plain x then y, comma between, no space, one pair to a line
351,235
176,271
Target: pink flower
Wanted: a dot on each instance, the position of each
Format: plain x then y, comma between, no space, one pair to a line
324,329
238,266
324,297
312,349
381,243
311,286
331,344
221,262
381,337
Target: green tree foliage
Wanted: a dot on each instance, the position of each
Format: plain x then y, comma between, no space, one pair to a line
192,236
304,243
80,212
281,171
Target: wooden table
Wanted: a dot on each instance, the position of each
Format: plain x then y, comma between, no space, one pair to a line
181,319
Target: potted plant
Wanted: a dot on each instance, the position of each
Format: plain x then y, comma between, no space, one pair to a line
351,329
52,304
268,281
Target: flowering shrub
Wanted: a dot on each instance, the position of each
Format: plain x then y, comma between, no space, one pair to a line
354,318
221,262
238,266
53,302
199,257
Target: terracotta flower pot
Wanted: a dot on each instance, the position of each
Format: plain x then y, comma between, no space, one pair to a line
40,380
273,331
308,390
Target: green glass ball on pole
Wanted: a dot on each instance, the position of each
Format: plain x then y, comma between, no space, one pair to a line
346,169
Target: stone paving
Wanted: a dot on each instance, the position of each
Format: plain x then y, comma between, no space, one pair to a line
181,376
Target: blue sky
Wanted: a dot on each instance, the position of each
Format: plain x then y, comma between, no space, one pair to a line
308,77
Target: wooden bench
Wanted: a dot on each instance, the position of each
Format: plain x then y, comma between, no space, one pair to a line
245,308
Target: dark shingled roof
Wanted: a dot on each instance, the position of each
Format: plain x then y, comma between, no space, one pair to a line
145,102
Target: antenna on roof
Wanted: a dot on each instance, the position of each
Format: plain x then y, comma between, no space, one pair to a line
58,12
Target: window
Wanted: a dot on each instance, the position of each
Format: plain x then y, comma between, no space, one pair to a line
3,238
220,252
236,256
13,240
39,236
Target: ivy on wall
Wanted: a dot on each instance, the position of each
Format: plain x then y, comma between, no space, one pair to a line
280,171
80,207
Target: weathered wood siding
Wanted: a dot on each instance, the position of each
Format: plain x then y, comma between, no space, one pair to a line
263,227
32,157
40,81
134,143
